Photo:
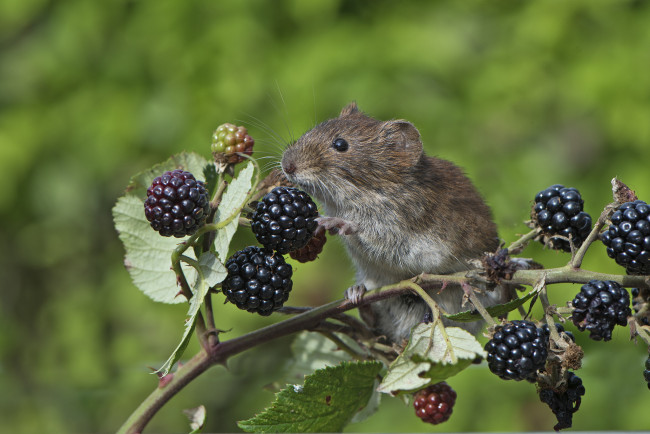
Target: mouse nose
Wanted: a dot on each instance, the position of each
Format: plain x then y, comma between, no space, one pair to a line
288,167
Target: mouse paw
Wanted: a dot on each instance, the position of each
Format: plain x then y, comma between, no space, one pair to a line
355,293
336,225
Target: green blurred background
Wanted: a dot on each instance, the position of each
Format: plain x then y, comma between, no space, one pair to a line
521,94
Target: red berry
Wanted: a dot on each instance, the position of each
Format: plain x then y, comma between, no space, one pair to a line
435,403
228,140
313,248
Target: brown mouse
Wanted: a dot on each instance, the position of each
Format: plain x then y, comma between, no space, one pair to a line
399,212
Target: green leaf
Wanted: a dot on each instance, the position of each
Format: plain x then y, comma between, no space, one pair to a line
494,311
211,269
231,203
148,255
327,402
433,354
188,161
199,291
312,351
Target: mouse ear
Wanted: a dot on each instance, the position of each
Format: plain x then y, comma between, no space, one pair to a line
405,137
349,109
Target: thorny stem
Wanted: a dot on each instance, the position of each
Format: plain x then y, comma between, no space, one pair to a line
221,352
521,242
469,291
576,259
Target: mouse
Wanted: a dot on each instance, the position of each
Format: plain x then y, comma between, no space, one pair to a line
398,211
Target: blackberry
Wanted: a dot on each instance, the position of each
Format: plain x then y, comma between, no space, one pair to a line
258,280
599,306
517,350
628,237
435,403
646,372
565,401
312,249
558,212
228,140
285,219
177,204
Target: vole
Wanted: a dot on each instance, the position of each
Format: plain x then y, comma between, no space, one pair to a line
399,212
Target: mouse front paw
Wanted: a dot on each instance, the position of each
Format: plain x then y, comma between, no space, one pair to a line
355,293
336,225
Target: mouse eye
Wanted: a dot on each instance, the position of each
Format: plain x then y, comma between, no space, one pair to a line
340,145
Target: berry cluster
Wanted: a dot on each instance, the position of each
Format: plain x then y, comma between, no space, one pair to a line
558,212
517,350
258,280
285,219
564,403
313,248
435,403
628,237
228,140
177,204
599,306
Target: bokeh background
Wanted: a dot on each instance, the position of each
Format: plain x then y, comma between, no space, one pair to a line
521,94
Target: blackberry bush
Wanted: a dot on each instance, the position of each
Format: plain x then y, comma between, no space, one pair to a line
628,237
177,204
517,350
599,306
435,403
565,401
258,280
558,211
285,219
229,139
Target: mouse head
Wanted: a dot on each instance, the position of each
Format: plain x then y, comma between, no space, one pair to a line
352,155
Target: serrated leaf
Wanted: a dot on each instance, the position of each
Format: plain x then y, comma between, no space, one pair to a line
199,291
313,351
434,353
188,161
231,202
148,255
325,403
494,311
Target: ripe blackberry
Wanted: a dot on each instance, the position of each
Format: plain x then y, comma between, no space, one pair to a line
599,306
228,140
177,204
558,212
517,350
258,280
628,237
646,372
285,219
565,401
435,403
311,251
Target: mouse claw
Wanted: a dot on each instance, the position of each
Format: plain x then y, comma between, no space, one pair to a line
355,293
336,225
